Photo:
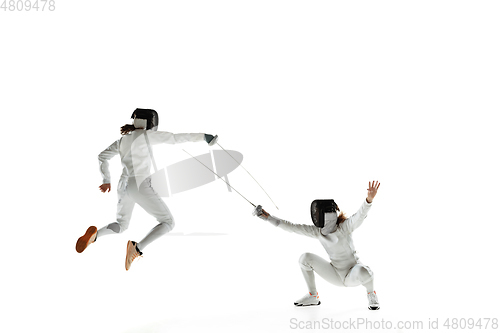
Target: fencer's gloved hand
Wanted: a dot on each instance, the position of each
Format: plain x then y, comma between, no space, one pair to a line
261,213
210,139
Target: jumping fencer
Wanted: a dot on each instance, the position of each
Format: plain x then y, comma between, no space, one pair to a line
134,186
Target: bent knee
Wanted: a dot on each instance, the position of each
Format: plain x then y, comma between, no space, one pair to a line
366,275
118,227
170,225
166,220
166,226
305,261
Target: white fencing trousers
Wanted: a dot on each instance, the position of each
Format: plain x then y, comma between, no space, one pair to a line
357,275
128,195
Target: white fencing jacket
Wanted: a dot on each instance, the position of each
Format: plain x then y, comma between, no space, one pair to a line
134,152
338,245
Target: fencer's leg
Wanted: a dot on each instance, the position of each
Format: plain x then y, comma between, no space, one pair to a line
161,229
124,210
310,262
152,203
360,274
308,273
312,298
366,277
363,275
369,286
112,228
310,281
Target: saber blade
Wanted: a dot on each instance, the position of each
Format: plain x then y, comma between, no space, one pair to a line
249,174
219,177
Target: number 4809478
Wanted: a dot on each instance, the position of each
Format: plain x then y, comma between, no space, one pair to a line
28,5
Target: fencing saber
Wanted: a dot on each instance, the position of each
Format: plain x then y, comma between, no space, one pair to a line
249,174
219,177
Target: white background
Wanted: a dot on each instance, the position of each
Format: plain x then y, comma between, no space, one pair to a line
320,97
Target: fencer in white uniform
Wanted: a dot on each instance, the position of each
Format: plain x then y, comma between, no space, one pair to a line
135,185
344,268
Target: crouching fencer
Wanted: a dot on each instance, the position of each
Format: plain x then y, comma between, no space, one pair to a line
134,148
334,231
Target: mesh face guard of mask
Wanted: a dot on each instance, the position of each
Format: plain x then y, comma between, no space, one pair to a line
319,208
150,115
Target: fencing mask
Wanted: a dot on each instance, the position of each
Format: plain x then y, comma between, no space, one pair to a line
148,115
324,215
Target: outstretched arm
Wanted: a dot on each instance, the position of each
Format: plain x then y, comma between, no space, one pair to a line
301,229
157,137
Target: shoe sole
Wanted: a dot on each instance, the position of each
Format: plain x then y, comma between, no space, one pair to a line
84,241
373,307
297,304
129,244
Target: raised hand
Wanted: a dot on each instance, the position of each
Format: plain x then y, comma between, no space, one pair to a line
372,190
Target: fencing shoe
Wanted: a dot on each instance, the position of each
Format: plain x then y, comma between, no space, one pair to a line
373,301
87,239
307,300
132,253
